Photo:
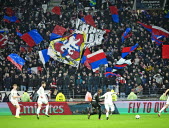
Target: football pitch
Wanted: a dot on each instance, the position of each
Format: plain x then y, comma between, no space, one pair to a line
81,121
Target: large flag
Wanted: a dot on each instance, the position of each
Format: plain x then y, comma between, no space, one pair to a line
57,32
94,36
44,57
9,19
67,50
155,29
88,19
35,70
3,40
84,59
56,10
125,34
16,60
122,63
126,50
32,37
114,13
97,59
165,51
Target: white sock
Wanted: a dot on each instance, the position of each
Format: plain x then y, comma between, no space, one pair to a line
47,108
107,114
162,109
38,110
17,111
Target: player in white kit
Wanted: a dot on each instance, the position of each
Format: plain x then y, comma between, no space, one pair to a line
108,102
167,103
14,100
42,99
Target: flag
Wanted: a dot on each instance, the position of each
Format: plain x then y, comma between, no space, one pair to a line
18,32
127,50
44,57
114,13
57,32
108,74
167,16
16,60
165,51
68,49
122,63
3,41
32,38
9,11
155,30
156,39
88,19
94,36
56,10
97,59
84,59
34,70
125,34
92,2
9,19
5,30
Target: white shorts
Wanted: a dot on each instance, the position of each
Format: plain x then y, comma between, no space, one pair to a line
109,106
15,102
42,101
167,100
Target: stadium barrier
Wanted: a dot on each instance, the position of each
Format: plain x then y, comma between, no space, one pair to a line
69,108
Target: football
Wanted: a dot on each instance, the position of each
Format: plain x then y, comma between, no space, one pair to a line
137,116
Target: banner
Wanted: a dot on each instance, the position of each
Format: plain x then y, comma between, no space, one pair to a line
165,51
69,108
30,108
67,50
94,36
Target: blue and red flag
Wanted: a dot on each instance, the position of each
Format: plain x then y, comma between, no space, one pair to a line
84,59
32,37
126,34
156,39
16,60
114,13
126,50
88,19
9,19
109,74
57,32
18,33
97,59
156,30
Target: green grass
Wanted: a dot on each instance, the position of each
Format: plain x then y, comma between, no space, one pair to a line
81,121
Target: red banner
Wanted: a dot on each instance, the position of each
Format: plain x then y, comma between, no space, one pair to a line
30,108
165,51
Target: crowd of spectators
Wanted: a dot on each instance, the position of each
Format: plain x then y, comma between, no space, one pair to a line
148,70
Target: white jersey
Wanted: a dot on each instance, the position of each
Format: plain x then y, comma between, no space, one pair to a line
13,93
41,92
108,97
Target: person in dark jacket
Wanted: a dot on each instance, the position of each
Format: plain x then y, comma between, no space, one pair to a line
7,82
